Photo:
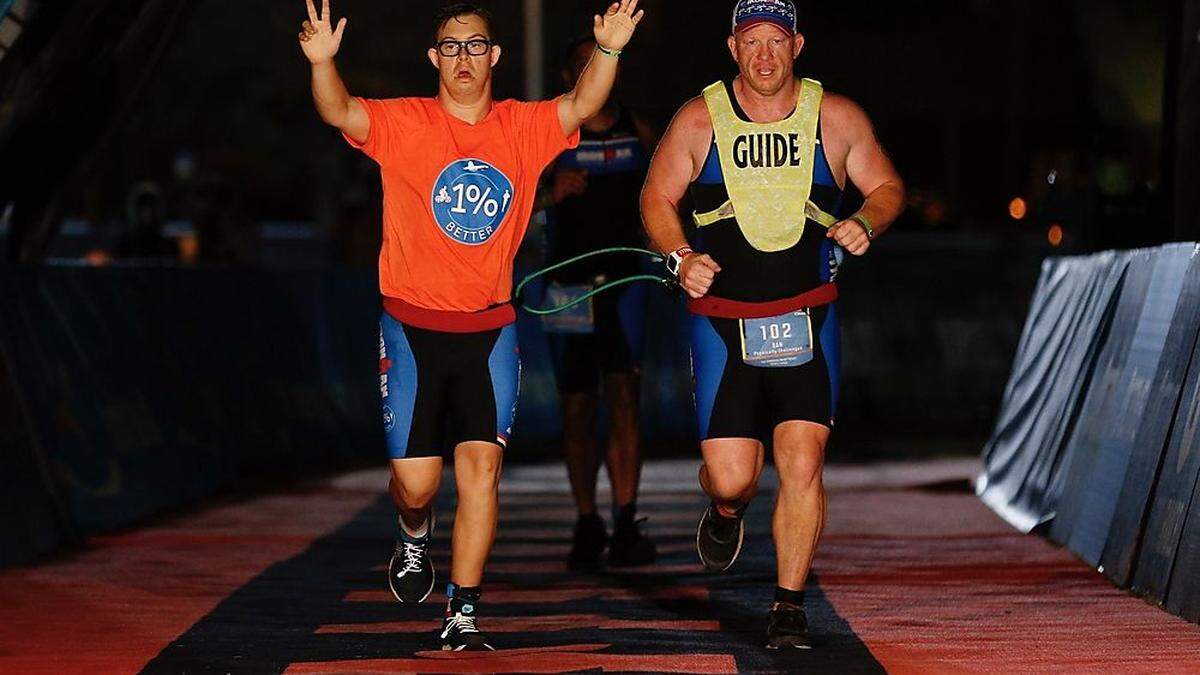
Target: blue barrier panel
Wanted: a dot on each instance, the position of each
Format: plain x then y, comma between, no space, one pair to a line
1102,446
153,388
1183,598
32,519
1176,482
1063,335
1122,490
1152,472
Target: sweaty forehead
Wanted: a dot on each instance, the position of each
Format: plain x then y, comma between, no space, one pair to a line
464,27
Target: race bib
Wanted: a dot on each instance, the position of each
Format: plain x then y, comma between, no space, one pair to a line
470,200
782,341
578,320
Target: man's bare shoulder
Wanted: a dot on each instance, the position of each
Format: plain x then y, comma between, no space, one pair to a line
841,111
693,117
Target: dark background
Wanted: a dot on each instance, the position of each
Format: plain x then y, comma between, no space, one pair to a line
979,102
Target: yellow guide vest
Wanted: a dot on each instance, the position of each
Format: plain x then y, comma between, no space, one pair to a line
768,169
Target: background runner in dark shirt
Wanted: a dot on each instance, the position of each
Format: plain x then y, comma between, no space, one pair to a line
598,350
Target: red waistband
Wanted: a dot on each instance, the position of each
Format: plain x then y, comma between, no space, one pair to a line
449,322
720,308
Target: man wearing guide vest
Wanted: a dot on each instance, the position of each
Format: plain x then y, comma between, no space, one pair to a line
766,156
459,175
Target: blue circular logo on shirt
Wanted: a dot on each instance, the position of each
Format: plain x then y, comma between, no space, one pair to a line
470,200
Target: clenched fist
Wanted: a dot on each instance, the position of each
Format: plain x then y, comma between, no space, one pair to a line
850,235
696,274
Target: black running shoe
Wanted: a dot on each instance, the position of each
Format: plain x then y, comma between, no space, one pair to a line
719,538
459,634
787,628
588,544
410,572
629,546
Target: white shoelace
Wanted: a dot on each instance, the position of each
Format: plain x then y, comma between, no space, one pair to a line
464,624
412,558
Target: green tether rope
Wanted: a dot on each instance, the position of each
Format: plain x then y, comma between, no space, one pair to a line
597,291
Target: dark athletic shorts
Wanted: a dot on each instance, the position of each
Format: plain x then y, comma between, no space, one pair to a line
614,347
736,400
442,389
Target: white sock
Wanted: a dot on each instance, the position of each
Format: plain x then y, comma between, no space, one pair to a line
417,533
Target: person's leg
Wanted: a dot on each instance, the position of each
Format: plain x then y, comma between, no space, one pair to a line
729,475
477,475
413,487
589,536
412,425
727,405
629,545
579,446
623,332
578,378
623,457
801,409
800,504
797,525
483,409
484,401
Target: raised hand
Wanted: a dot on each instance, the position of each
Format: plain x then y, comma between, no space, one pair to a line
614,29
319,39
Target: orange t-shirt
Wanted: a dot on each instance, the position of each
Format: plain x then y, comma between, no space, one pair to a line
457,197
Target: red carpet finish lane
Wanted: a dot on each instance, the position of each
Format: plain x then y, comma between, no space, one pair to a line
914,575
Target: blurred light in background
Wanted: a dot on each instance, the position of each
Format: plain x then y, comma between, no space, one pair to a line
189,248
1018,209
184,165
98,258
1055,235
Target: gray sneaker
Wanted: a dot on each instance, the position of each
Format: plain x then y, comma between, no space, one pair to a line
719,538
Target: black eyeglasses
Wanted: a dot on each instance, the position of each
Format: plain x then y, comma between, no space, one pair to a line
452,48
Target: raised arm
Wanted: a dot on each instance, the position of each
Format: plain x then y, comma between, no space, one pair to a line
872,172
677,162
613,31
320,42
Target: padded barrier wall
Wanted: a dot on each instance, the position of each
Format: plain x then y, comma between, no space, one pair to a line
146,389
1096,444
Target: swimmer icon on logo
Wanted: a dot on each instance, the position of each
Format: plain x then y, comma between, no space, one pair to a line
470,200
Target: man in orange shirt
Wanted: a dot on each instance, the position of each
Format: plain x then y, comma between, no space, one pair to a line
460,176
